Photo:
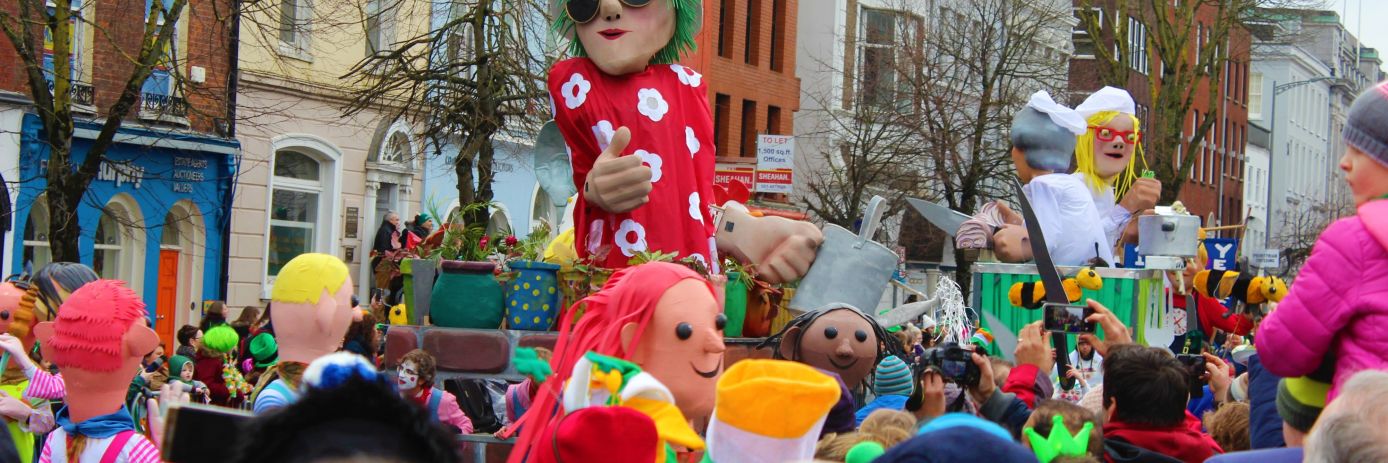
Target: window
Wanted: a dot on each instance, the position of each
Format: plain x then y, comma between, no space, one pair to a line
294,27
725,49
295,201
879,40
773,120
75,39
749,129
36,250
157,96
752,54
1084,44
778,34
107,247
722,111
1137,46
380,26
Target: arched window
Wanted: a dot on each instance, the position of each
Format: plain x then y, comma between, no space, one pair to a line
499,224
295,202
36,250
117,248
106,255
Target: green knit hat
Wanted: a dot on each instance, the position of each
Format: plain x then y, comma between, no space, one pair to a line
221,339
176,364
264,350
1300,401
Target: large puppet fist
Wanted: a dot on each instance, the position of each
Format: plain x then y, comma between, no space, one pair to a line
1142,195
618,183
782,249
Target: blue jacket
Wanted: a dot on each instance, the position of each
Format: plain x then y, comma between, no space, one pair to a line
889,402
1264,424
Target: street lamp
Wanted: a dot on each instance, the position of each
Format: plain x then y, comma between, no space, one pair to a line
1272,143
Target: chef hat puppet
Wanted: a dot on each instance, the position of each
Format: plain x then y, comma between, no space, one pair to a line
1045,132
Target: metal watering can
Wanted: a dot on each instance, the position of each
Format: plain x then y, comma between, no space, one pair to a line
849,268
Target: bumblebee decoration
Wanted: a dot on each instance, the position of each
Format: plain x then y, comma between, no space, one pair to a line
1032,294
397,315
1250,292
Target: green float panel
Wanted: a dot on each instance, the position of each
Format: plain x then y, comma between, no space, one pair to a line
1131,294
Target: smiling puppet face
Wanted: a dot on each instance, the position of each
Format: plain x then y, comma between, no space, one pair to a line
1114,143
839,341
621,39
683,346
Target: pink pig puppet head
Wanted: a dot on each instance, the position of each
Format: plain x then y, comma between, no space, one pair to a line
97,341
624,36
311,307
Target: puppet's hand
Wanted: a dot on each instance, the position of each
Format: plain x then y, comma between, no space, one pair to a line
1008,215
618,183
1142,195
782,249
1130,231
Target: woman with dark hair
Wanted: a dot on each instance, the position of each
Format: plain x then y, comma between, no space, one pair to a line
361,338
216,315
189,341
245,322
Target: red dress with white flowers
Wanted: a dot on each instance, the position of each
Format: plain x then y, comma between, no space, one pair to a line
666,109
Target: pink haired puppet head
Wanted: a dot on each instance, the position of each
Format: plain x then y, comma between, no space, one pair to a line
97,340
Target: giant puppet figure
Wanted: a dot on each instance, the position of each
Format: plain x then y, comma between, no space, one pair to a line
640,136
1106,157
662,317
1043,141
97,340
311,309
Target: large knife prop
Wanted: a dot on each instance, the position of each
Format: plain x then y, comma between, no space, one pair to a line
1050,279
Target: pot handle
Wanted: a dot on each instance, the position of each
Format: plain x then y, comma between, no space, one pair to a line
872,219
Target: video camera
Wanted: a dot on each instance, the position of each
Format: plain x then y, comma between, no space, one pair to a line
953,362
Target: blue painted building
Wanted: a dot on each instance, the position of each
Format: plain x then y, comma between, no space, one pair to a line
154,216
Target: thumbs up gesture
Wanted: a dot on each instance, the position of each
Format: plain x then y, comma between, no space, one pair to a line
618,183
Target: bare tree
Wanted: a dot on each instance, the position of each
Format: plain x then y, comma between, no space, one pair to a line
1188,45
932,101
479,74
1302,226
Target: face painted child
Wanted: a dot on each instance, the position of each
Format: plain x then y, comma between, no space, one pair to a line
407,377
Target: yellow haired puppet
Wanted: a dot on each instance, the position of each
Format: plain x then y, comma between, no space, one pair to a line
1106,158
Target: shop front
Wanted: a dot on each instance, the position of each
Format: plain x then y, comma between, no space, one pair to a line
154,216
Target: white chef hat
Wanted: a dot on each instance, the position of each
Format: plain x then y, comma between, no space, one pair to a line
1107,99
1060,114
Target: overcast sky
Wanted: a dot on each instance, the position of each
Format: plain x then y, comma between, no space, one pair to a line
1371,31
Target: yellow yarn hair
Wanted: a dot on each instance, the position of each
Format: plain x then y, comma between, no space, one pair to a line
1084,157
305,277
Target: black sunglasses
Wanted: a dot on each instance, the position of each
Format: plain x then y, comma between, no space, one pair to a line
582,11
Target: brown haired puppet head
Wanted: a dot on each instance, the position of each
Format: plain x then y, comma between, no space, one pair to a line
840,340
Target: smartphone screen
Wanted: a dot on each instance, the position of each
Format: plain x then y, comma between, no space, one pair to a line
1068,319
200,433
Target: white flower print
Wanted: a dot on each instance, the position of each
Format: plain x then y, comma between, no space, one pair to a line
651,104
595,236
603,131
688,76
629,244
691,141
654,161
695,207
575,91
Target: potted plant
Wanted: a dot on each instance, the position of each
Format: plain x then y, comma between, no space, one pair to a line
467,293
532,287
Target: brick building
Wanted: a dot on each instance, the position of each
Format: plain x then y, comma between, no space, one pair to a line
747,52
1215,185
156,213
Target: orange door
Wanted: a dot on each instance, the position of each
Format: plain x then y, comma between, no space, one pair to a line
167,303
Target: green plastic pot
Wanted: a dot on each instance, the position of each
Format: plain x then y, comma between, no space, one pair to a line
407,270
734,305
467,295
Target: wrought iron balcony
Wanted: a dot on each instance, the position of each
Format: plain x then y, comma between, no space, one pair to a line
163,105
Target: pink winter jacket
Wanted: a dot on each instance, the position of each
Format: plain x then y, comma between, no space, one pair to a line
1339,303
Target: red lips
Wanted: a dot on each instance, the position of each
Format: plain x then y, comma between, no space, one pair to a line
612,34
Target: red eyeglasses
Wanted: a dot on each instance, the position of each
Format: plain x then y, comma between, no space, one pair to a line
1132,137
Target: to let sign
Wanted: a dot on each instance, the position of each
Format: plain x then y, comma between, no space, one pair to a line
775,163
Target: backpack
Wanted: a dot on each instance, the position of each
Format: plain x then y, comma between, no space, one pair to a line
476,401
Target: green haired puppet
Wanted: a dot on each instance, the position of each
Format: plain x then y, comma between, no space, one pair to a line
1060,442
639,132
